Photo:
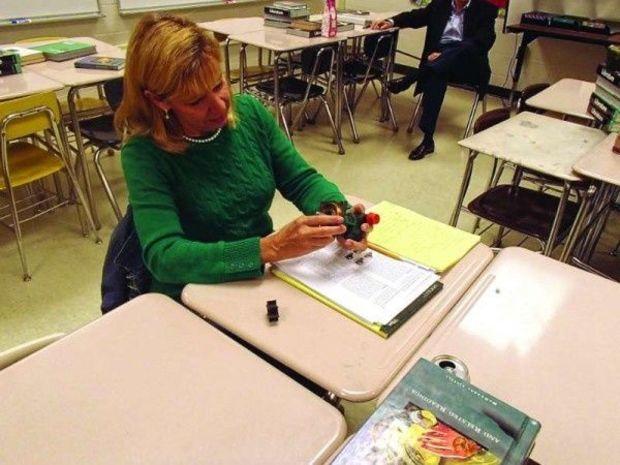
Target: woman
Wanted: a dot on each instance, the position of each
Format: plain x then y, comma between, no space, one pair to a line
202,167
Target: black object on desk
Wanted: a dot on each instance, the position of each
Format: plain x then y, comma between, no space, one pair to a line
272,311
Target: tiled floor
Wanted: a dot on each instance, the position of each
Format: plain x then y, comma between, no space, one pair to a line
66,267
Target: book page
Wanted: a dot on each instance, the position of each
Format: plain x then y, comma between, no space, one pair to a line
375,290
416,237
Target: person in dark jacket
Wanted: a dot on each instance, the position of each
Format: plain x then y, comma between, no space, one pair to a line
459,36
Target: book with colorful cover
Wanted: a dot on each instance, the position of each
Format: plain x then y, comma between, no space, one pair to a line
433,417
99,62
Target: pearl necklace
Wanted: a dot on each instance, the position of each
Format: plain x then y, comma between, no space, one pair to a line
206,140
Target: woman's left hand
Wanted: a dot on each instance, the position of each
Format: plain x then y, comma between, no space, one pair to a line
350,244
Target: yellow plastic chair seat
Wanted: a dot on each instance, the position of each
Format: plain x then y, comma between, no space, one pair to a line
28,163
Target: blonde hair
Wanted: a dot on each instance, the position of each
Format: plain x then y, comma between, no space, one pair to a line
172,57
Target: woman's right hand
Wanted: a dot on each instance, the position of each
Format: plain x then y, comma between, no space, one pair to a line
300,237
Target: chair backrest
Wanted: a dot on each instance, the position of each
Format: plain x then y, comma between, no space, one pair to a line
379,46
528,93
318,60
9,357
491,118
114,92
20,118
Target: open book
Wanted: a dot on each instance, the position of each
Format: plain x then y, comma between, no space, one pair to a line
373,289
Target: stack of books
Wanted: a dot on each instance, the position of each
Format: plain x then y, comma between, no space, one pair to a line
358,17
282,14
432,417
10,63
65,50
26,55
306,28
605,101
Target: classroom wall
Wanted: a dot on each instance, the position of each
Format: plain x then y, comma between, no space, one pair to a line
115,29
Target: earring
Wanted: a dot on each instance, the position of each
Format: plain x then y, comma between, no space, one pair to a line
166,115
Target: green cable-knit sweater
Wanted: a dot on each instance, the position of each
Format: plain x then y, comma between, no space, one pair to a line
200,215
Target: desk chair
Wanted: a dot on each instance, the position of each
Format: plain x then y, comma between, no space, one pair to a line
101,135
315,82
15,354
534,213
479,91
24,163
373,64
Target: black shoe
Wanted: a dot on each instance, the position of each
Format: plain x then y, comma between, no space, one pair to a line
422,150
399,85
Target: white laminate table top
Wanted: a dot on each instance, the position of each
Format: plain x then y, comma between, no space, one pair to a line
547,145
278,40
152,383
567,96
325,346
542,336
68,75
601,163
26,83
228,26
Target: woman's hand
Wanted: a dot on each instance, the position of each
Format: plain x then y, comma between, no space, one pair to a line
350,244
300,237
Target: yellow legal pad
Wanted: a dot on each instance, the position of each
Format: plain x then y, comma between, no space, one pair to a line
410,235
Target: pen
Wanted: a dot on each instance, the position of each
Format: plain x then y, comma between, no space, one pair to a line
20,21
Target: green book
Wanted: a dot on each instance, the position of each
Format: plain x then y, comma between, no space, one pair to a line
433,417
65,50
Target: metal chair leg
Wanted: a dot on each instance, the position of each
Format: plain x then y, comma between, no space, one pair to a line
557,220
472,116
464,186
285,123
106,184
576,229
498,239
315,115
356,137
333,125
489,183
18,234
64,153
414,115
390,110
